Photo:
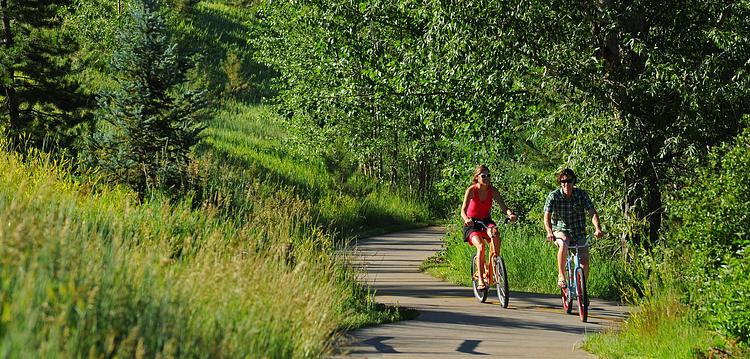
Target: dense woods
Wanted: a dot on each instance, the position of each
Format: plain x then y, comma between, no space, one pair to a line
384,101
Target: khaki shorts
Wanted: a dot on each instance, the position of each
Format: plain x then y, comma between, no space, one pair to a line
562,237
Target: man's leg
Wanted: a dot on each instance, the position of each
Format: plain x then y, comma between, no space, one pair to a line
561,239
583,255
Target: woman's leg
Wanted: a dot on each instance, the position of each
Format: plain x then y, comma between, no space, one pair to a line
479,244
495,236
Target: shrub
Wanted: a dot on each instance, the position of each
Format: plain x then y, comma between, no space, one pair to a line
713,213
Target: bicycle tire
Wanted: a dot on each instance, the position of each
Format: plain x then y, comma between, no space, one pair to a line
481,295
567,296
583,307
501,282
567,301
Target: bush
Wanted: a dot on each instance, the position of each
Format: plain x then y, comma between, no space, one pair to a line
727,298
713,215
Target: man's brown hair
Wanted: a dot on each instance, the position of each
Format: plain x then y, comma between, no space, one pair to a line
567,173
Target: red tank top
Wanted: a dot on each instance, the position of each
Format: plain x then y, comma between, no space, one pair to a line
478,208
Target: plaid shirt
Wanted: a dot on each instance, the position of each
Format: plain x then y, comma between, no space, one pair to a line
569,215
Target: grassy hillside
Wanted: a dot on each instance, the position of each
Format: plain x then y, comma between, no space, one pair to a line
243,268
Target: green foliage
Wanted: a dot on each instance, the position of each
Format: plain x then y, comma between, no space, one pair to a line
216,34
88,271
151,122
712,216
713,206
42,106
434,88
95,26
725,298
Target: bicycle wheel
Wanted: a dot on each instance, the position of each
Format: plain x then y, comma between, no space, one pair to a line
481,295
583,297
567,300
501,281
567,294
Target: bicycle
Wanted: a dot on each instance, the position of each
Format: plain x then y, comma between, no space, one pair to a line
494,270
576,283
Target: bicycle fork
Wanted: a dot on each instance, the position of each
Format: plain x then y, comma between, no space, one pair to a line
570,267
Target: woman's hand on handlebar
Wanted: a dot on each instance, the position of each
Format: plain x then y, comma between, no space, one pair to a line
550,237
468,222
598,233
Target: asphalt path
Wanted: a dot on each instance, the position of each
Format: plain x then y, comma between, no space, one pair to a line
451,322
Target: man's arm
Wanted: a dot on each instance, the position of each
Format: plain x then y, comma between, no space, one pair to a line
595,220
548,226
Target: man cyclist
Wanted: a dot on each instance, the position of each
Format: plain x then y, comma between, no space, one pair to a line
565,221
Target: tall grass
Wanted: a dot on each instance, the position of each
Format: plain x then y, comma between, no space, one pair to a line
243,267
663,327
86,271
530,261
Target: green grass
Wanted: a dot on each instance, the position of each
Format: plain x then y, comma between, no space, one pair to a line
250,145
87,271
243,267
662,327
530,261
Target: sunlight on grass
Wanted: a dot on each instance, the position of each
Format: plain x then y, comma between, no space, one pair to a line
663,328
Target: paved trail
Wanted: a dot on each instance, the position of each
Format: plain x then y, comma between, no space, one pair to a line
451,322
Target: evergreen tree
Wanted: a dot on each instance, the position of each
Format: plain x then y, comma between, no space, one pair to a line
38,99
149,124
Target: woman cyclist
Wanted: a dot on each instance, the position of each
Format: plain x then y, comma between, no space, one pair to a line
475,211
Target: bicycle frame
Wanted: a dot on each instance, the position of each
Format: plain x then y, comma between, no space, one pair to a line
575,290
572,264
488,261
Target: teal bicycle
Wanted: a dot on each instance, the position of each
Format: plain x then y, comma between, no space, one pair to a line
576,282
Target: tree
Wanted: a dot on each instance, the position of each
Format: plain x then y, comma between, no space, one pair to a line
40,101
148,126
627,92
655,84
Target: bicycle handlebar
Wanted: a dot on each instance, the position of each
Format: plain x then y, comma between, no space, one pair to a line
588,237
479,221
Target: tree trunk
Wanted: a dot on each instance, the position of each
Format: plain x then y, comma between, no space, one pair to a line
606,42
634,195
654,209
9,90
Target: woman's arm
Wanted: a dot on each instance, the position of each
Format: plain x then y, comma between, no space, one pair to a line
465,205
500,202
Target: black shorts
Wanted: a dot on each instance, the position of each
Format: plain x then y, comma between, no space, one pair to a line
478,227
